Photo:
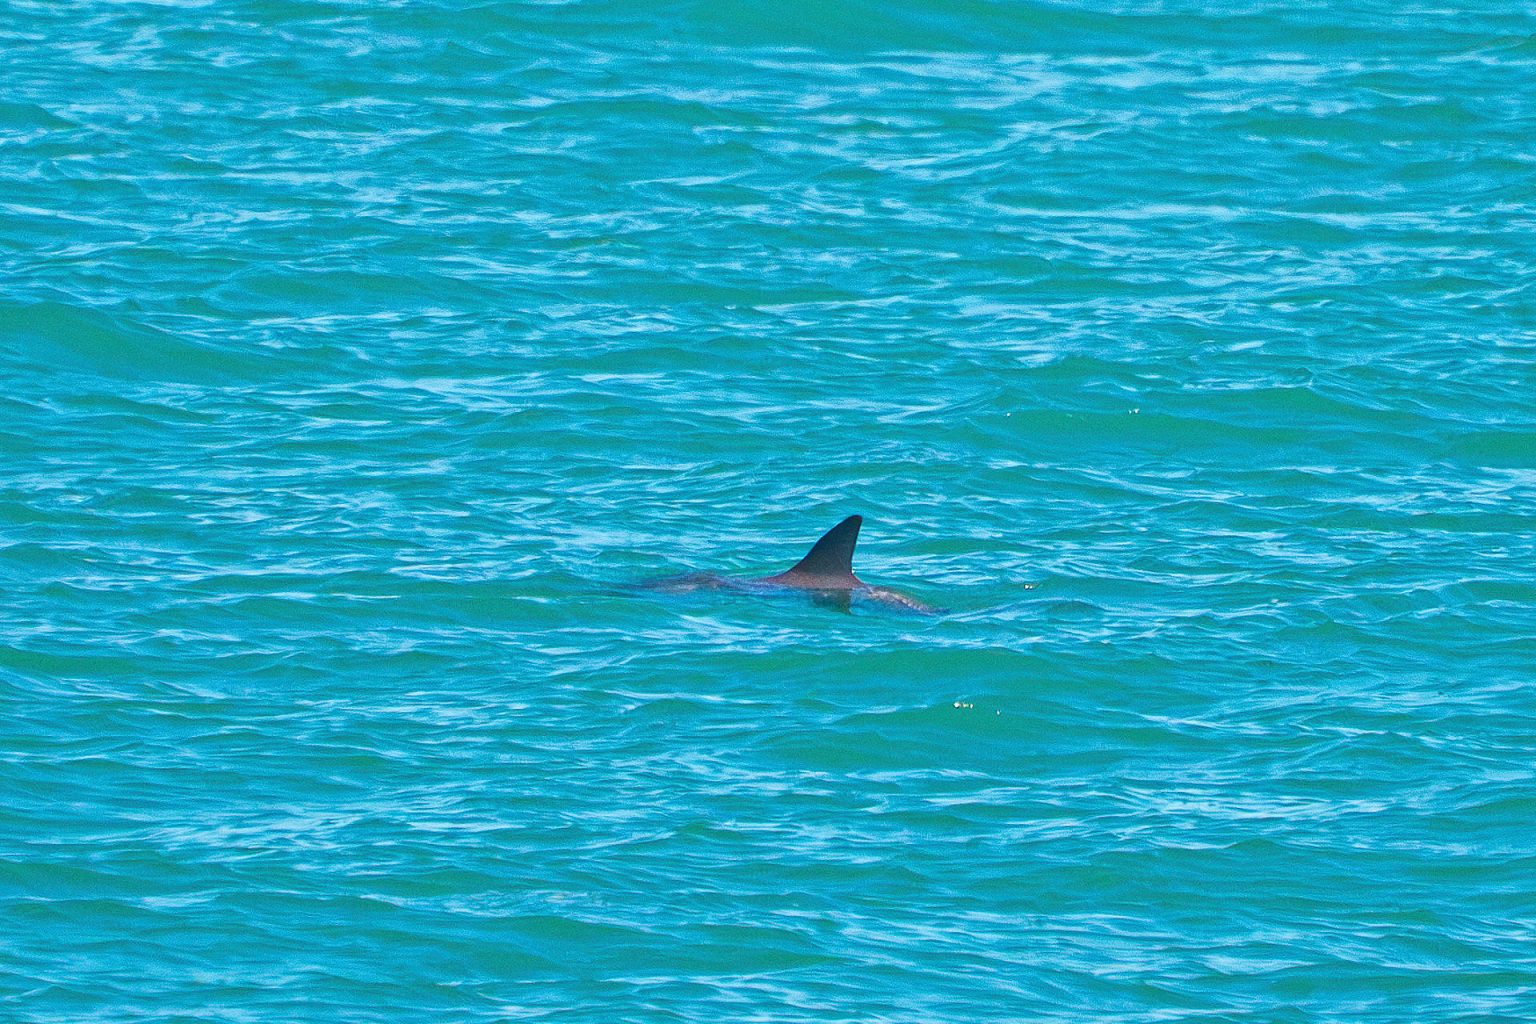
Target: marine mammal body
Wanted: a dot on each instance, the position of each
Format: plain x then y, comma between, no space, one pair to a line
826,573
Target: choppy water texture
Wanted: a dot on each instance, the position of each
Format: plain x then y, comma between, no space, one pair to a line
358,358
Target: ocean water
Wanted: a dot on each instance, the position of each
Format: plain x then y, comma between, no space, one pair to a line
359,359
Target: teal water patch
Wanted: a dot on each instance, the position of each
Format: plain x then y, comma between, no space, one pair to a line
361,362
50,339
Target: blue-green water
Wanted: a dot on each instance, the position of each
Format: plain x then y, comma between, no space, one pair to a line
358,358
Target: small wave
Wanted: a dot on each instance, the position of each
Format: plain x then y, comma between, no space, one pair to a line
53,337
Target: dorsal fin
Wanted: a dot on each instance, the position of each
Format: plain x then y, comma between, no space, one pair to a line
832,556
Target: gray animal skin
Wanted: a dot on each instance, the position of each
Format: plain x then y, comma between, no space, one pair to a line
826,573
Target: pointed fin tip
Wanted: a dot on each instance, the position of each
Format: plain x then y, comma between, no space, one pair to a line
832,555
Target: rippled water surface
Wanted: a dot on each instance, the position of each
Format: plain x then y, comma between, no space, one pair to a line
360,359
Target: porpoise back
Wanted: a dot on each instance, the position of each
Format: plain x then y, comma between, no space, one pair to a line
826,573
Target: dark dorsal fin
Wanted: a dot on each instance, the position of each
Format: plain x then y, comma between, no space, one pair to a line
832,556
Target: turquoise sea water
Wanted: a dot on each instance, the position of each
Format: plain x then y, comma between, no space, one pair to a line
360,358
